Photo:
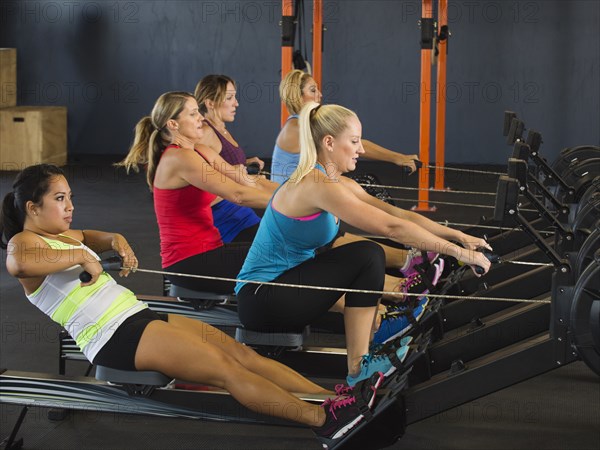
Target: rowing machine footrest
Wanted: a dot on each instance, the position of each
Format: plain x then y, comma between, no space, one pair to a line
136,382
271,339
199,299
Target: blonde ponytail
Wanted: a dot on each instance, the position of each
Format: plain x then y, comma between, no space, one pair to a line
152,135
290,90
317,121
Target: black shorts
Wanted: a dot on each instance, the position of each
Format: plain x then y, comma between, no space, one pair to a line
119,351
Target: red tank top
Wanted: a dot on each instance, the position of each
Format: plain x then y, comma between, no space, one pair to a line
185,223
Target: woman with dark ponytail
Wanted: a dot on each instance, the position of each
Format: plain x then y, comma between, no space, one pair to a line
303,215
30,185
113,328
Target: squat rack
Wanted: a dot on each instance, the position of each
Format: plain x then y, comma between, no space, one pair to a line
434,49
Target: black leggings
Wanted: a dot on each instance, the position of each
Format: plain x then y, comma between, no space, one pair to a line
247,234
119,351
225,262
358,265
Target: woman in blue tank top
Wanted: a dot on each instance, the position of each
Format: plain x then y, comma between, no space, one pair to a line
216,97
303,215
296,89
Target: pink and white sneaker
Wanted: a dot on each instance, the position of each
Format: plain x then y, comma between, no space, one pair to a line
416,259
421,283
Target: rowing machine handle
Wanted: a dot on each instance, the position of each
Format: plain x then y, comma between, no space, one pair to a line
112,263
492,257
253,168
418,165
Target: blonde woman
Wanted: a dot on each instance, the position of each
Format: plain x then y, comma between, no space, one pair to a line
304,214
297,89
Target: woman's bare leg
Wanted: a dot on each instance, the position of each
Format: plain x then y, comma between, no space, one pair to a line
278,373
359,325
181,353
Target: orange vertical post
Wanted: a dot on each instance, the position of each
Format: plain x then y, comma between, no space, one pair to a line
440,111
425,116
287,9
317,53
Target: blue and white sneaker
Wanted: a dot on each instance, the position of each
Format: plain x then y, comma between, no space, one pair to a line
399,320
374,362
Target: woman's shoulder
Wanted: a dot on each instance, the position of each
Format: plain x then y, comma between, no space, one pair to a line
24,237
28,238
289,138
174,160
210,137
174,153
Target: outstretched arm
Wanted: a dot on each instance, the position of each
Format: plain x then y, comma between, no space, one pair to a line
237,173
234,184
379,153
362,213
468,241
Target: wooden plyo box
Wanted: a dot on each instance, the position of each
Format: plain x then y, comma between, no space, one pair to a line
32,135
8,77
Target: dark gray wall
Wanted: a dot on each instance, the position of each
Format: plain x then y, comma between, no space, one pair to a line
107,61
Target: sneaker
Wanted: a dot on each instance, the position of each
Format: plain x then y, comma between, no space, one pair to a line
420,284
345,411
342,389
415,259
375,362
379,348
399,320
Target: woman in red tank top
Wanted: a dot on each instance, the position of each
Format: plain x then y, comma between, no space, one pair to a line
185,178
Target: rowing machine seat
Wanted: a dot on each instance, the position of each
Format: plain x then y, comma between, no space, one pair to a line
200,299
271,339
136,382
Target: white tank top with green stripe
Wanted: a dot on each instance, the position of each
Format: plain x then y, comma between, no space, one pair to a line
90,314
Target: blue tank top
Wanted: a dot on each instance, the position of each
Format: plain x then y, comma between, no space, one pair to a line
232,219
283,163
283,242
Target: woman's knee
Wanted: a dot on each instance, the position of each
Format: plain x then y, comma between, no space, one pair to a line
243,354
374,253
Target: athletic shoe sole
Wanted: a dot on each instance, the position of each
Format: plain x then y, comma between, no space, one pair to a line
351,425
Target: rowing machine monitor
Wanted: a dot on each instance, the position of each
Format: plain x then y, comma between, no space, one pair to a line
517,169
521,151
534,140
508,118
507,195
515,133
